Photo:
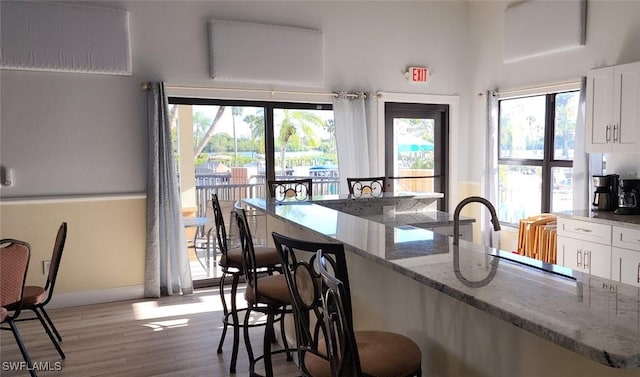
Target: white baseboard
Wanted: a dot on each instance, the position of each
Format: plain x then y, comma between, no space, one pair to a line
64,300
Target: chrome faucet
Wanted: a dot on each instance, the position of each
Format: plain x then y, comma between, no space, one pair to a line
464,202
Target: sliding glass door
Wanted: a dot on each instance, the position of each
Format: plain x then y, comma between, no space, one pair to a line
231,148
416,139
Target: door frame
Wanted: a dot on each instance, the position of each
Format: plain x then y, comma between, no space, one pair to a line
453,102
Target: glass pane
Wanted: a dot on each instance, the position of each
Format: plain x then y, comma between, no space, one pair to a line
519,192
565,121
414,185
305,146
413,154
220,150
562,189
229,150
522,123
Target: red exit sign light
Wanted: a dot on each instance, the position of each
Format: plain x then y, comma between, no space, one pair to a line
418,74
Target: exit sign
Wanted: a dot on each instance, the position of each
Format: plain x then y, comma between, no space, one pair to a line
418,74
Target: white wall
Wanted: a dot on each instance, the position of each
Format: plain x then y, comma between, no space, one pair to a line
613,28
78,133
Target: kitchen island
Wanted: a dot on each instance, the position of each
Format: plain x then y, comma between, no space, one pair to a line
473,311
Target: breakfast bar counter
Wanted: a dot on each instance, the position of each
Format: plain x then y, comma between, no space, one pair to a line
474,310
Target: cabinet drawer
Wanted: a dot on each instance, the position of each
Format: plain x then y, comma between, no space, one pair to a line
626,238
584,230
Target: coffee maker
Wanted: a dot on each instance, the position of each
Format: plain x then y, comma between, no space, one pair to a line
629,189
605,197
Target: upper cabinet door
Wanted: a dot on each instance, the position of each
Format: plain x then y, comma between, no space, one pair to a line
612,115
599,109
626,115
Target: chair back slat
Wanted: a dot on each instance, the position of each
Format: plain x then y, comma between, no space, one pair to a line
298,259
341,343
367,186
298,189
56,258
218,219
249,264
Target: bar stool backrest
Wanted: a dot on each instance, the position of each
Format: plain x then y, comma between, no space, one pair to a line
298,258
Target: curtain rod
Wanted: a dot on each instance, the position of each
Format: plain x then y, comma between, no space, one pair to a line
146,86
533,88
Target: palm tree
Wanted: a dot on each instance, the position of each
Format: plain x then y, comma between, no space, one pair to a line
235,111
207,136
256,124
293,122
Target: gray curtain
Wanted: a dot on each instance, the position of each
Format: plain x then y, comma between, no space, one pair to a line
489,178
167,269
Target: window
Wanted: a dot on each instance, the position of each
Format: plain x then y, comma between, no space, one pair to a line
232,147
535,154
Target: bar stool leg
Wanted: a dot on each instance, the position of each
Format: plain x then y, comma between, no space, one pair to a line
225,311
266,346
236,322
247,341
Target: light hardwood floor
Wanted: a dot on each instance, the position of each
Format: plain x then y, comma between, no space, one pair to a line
171,336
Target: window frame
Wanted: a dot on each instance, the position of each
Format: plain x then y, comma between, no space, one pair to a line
548,161
268,106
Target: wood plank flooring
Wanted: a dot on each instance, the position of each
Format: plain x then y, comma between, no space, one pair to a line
170,336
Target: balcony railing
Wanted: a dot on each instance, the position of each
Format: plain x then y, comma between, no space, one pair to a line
237,188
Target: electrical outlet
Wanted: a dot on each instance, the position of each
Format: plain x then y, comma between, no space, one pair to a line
45,266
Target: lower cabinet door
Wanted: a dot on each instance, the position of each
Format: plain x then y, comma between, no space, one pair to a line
625,266
584,256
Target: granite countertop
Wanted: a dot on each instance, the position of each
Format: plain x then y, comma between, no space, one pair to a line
609,218
595,317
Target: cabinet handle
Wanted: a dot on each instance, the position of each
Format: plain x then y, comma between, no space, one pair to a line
620,269
607,133
587,259
583,230
615,133
637,274
579,258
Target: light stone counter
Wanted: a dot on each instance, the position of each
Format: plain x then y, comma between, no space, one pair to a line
609,218
596,318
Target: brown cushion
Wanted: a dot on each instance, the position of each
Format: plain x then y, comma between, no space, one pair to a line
3,314
272,290
265,257
32,295
382,354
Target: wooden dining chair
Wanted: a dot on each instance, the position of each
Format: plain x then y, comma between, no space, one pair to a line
298,189
14,258
371,186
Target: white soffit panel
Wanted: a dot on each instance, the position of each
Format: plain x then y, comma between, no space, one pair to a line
47,36
539,27
250,52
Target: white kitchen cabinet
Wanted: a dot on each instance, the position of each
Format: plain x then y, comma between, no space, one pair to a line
613,109
625,266
625,256
584,256
584,246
